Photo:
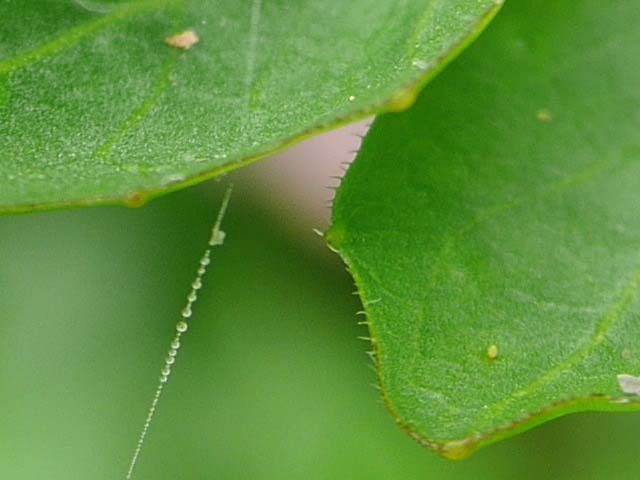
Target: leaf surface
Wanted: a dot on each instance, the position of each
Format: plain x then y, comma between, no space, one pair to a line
96,107
493,230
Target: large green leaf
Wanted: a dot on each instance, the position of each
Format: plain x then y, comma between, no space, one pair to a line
504,209
95,107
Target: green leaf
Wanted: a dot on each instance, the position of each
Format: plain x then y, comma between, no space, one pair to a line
95,107
504,209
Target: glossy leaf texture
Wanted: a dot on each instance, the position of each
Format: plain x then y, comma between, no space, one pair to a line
95,107
493,230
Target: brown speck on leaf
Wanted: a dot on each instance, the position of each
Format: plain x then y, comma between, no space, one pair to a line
135,199
184,40
626,354
544,116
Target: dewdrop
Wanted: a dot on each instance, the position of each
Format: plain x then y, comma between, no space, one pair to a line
217,238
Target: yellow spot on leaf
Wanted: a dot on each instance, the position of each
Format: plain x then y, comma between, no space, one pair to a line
492,352
184,40
544,116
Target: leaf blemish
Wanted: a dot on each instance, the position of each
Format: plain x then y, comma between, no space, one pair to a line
492,352
629,384
135,199
184,40
544,115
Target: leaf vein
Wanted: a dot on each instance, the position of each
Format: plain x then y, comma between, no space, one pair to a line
421,24
142,111
256,8
75,34
606,322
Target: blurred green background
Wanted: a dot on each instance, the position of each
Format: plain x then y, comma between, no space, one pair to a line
271,382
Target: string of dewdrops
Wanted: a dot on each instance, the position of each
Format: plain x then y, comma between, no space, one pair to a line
217,238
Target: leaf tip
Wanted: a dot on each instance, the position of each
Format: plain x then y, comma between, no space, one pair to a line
402,100
457,449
